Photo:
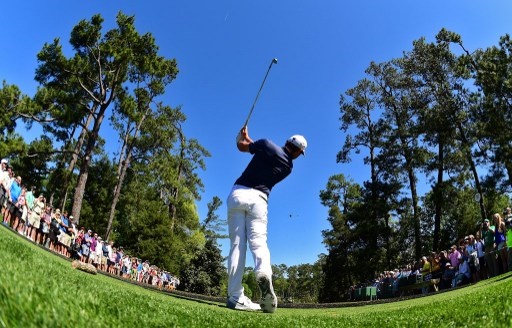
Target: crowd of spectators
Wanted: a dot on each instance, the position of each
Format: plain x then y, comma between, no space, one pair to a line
38,221
486,254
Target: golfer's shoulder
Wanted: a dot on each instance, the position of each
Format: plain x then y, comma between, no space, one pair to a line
264,143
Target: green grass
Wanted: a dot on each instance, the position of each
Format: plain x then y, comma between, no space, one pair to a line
38,289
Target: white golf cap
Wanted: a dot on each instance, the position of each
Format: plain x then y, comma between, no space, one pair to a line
299,142
4,161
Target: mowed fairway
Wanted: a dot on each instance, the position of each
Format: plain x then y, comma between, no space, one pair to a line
39,289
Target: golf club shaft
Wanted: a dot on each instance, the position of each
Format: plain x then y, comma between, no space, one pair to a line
258,94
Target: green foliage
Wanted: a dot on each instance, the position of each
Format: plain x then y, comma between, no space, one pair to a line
205,272
250,284
431,113
97,197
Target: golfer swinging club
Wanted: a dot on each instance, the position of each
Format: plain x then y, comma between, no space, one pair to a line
247,215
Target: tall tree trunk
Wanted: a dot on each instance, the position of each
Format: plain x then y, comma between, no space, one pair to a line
415,211
438,192
125,158
84,168
175,191
74,159
472,165
117,193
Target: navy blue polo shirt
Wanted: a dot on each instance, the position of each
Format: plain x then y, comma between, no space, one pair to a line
269,165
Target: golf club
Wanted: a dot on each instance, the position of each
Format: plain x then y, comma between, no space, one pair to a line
274,61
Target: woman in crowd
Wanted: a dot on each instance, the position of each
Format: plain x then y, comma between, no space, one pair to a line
54,233
21,212
46,220
500,231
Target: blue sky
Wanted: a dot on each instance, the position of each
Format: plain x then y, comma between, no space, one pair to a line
223,49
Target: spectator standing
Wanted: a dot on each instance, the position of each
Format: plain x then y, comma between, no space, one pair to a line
443,259
454,255
140,270
46,219
472,256
54,230
507,214
98,252
14,192
112,257
73,232
8,183
30,196
92,248
78,242
30,199
65,235
21,213
490,255
509,243
104,257
34,218
500,232
119,260
4,181
127,265
482,273
86,246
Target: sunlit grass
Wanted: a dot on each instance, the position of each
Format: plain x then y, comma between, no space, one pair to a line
39,289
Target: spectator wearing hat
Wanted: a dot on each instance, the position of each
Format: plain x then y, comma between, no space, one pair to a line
98,252
104,257
447,277
490,254
4,165
5,180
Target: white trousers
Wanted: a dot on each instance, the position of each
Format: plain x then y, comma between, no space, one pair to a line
247,223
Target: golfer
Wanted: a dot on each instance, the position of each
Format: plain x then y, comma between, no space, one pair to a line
247,215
